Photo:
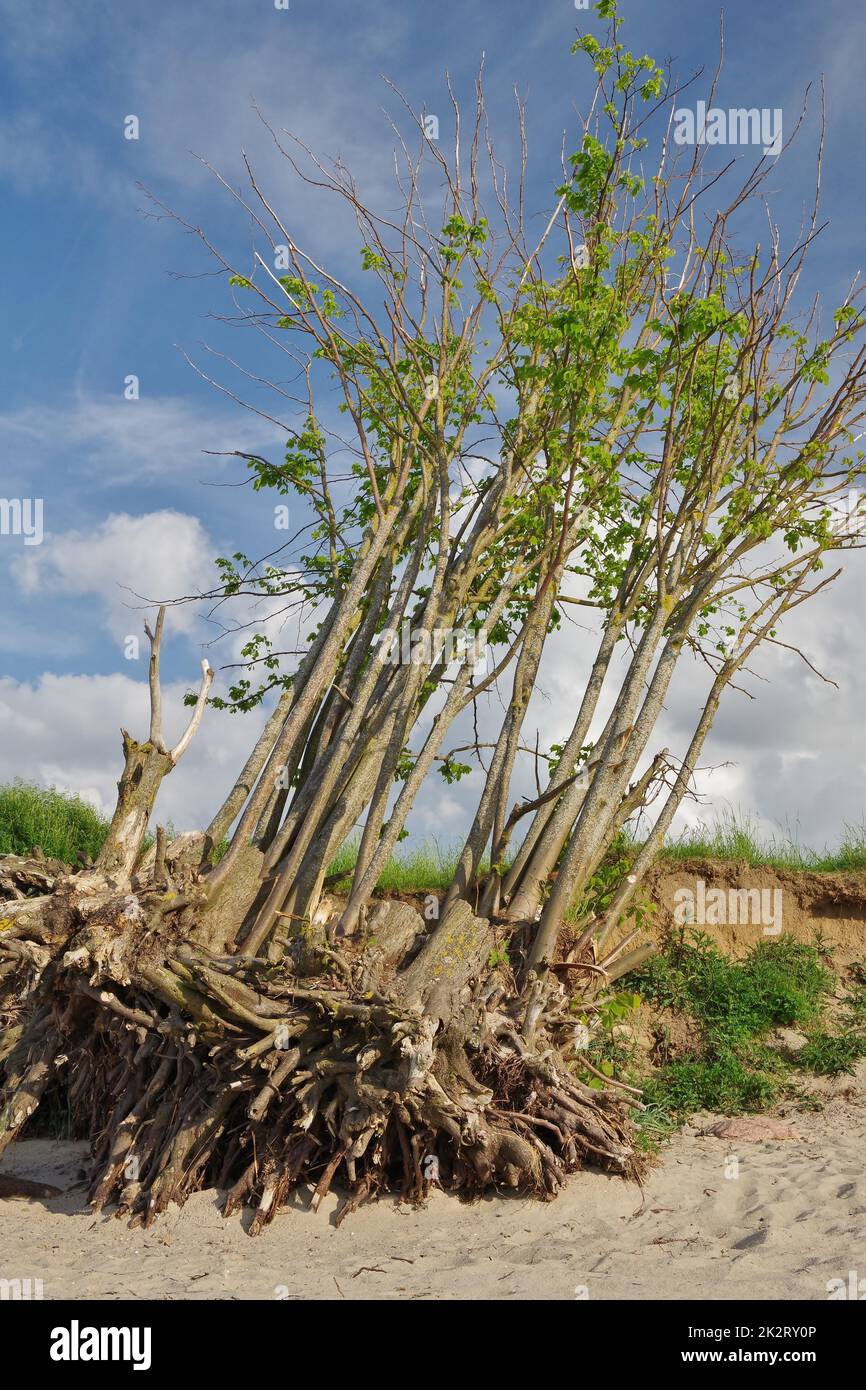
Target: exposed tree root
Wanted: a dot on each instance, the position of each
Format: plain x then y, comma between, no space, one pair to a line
190,1070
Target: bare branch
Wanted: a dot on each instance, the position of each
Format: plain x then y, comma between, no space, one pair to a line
189,734
155,639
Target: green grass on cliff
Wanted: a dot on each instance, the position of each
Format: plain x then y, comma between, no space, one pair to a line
735,837
64,825
61,824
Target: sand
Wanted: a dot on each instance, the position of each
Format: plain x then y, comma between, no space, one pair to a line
786,1218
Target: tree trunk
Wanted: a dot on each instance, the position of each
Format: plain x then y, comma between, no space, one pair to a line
144,768
378,1074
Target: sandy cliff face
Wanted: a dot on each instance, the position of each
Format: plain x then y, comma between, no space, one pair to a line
739,905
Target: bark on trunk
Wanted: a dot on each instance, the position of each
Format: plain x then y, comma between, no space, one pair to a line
223,1070
144,768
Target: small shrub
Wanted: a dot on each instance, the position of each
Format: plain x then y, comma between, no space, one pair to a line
720,1081
779,984
829,1055
734,1005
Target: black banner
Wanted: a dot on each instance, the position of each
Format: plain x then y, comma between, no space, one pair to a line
148,1338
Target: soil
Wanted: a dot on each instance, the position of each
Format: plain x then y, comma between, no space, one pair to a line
829,908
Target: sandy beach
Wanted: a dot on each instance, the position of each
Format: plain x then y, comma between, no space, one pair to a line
779,1223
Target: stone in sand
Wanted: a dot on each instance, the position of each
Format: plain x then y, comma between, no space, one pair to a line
753,1129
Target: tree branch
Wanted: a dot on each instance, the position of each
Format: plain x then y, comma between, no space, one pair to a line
155,639
192,727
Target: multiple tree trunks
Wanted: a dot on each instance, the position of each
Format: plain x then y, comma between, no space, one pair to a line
410,1061
215,1022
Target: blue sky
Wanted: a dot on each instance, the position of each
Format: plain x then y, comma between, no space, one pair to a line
91,294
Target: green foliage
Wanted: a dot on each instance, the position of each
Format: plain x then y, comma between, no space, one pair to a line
61,824
829,1054
424,868
605,882
854,1003
734,1005
607,1051
779,984
451,771
718,1082
617,1008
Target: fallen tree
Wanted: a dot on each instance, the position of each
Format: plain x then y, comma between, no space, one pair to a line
667,442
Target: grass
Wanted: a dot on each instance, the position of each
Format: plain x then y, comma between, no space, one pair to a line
734,836
424,868
829,1054
730,1066
61,824
722,1083
64,825
429,867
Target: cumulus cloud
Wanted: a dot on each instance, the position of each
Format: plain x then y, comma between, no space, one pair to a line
124,561
64,731
128,564
796,751
786,747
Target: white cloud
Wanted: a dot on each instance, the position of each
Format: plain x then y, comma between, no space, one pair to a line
198,97
130,441
128,564
161,555
64,731
193,88
46,35
792,757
